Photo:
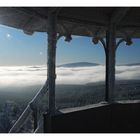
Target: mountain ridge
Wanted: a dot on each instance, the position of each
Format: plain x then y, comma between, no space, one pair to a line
79,64
132,64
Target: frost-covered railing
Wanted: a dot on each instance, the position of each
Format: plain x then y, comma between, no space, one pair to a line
31,109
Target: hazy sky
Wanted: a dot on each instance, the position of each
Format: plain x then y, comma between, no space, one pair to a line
17,48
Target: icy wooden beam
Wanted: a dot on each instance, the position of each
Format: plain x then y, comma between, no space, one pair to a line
29,109
52,39
110,62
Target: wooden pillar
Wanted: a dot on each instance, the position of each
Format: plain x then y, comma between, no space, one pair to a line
110,63
52,36
35,121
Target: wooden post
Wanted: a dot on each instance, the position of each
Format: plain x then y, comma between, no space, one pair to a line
52,39
51,75
35,121
110,63
52,36
47,126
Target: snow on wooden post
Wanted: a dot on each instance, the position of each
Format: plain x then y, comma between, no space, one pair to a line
110,50
35,119
110,62
52,36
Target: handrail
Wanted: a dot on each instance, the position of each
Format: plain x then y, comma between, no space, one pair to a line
21,121
39,128
39,95
29,109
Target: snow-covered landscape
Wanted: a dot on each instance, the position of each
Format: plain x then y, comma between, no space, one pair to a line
78,84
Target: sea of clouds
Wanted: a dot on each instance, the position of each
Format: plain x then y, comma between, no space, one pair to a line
36,75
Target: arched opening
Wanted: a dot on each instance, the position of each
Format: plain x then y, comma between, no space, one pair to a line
128,72
80,73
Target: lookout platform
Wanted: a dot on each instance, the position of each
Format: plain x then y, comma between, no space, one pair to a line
109,26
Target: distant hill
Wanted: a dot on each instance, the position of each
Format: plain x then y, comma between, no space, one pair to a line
78,64
133,64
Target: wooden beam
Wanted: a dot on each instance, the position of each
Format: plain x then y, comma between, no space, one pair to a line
28,110
30,12
52,39
35,118
110,51
110,63
118,15
33,13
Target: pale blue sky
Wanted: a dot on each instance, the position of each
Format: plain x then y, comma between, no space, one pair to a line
17,48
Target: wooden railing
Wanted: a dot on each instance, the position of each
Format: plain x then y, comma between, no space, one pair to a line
31,109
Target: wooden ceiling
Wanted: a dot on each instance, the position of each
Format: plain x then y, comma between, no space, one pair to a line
83,21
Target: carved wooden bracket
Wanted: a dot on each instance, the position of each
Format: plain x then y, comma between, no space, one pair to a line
96,35
127,39
67,31
58,36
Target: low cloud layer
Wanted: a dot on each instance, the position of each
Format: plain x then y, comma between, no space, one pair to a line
36,75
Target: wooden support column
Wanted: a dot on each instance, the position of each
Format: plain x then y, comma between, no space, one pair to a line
110,63
35,121
52,36
110,49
